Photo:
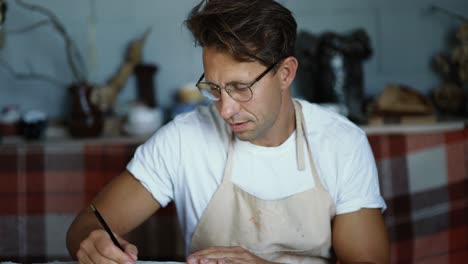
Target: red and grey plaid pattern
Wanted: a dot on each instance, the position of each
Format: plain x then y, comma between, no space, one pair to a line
423,177
424,180
43,186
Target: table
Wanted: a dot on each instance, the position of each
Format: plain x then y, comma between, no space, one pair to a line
424,180
423,174
44,184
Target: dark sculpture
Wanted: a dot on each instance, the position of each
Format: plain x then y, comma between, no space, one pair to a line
145,84
331,70
3,9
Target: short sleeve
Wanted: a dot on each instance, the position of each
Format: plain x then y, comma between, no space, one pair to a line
155,163
358,183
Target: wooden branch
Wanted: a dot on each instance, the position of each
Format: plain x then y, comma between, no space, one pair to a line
105,96
30,76
71,49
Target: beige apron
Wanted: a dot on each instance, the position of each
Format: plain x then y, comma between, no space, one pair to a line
295,229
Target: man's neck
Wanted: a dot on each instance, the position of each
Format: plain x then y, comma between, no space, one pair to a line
282,128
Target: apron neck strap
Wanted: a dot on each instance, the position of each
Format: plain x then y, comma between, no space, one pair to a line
228,168
299,136
302,130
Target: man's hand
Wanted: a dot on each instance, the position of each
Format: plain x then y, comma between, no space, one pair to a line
224,255
99,248
125,204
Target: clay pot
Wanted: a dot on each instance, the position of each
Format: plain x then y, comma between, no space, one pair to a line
85,119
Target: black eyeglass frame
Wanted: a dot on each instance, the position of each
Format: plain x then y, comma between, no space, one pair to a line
218,88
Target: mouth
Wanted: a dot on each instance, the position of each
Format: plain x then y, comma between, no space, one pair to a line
239,126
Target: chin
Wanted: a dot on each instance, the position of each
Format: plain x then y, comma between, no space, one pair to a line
245,136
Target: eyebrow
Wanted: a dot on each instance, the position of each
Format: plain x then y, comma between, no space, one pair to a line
229,83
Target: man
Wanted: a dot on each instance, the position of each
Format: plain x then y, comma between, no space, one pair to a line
257,177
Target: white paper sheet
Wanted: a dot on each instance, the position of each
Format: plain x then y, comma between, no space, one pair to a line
74,262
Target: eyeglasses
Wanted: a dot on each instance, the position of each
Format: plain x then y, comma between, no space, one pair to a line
238,91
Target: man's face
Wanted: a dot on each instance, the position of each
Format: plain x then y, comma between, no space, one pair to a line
255,120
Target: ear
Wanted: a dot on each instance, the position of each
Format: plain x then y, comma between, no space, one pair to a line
287,71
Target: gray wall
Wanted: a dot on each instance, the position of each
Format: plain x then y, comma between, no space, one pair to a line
404,36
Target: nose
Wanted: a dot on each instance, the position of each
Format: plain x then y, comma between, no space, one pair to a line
227,106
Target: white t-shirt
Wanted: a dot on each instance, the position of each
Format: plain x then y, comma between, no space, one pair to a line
184,162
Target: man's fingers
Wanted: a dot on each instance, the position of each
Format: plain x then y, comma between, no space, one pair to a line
208,261
131,250
223,261
112,252
217,249
231,261
201,259
83,257
227,253
99,248
87,251
101,257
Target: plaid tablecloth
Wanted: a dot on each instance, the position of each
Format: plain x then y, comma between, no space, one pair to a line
424,180
423,177
43,186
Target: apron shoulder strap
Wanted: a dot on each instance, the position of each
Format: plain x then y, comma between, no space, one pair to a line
301,139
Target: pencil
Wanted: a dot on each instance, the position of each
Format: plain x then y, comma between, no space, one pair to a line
106,227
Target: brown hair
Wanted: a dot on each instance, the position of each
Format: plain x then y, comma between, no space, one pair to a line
249,30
